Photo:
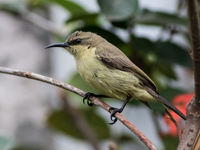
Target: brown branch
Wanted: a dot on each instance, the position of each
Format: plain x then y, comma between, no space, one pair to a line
195,37
112,146
192,127
73,89
197,142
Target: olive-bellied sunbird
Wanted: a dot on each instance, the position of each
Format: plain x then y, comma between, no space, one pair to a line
107,69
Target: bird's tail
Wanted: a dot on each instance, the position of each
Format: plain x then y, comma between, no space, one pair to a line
170,106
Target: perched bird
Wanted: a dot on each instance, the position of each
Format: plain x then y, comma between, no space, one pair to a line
107,69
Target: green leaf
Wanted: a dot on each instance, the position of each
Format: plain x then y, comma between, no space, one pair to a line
165,51
166,69
98,124
70,6
125,138
61,121
121,24
169,92
170,142
16,8
118,9
157,107
173,53
148,17
88,18
22,147
36,3
142,43
5,143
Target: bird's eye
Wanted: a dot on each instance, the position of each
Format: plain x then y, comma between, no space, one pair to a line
76,41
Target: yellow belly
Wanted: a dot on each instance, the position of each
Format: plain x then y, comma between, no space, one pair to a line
110,82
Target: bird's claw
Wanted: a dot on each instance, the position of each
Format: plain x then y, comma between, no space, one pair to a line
87,96
112,116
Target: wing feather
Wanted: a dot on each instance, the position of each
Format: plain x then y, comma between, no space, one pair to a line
112,57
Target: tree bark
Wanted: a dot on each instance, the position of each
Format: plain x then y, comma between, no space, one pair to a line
190,136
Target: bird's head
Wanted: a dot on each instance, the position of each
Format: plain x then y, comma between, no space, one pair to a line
79,41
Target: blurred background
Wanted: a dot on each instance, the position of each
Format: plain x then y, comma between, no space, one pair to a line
36,116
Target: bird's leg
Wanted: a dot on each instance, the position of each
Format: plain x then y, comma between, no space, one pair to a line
88,95
119,110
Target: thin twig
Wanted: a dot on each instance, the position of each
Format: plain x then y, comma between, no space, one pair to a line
178,128
73,89
112,145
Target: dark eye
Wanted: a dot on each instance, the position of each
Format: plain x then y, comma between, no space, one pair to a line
76,41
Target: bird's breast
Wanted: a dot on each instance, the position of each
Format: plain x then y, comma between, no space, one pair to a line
99,76
110,82
87,63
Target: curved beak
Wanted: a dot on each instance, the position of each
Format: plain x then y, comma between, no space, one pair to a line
65,44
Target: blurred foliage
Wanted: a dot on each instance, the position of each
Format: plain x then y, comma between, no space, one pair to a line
170,142
125,138
119,10
5,143
26,148
156,57
72,7
14,8
61,121
163,51
157,18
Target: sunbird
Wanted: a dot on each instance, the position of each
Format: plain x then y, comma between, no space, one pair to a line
107,69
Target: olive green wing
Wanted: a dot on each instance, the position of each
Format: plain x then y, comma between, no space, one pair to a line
112,57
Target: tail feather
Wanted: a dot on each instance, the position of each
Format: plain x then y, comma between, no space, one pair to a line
170,106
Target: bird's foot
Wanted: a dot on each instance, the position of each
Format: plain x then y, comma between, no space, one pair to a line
86,97
112,116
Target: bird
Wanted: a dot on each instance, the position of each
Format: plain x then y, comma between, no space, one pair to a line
107,69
